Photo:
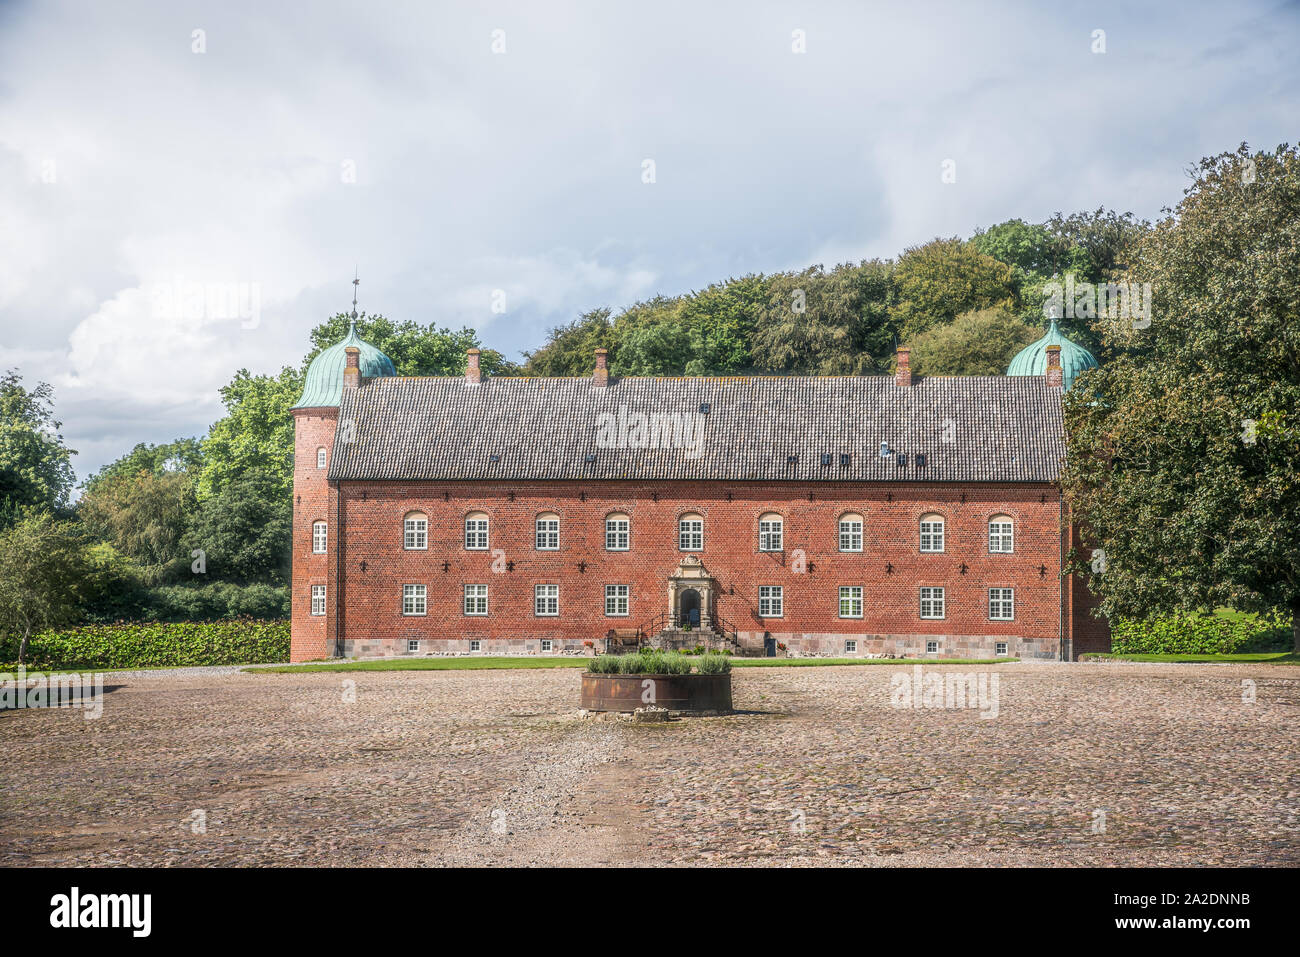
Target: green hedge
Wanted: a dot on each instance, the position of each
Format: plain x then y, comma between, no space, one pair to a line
141,645
1190,634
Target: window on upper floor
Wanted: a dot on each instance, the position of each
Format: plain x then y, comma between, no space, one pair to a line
547,532
851,532
690,533
415,531
618,532
476,531
1001,537
319,538
931,533
771,533
320,458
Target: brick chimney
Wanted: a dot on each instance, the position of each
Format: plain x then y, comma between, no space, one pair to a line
600,378
352,370
472,374
903,368
1055,376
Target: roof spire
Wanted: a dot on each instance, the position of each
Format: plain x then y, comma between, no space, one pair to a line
356,281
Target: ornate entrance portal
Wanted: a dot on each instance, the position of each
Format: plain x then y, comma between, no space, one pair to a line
690,594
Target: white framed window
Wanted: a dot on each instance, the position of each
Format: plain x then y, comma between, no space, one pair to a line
932,647
320,458
932,603
618,533
616,600
850,601
851,646
1002,604
546,533
546,644
318,599
546,600
690,533
1001,537
476,600
475,645
320,537
850,533
414,600
1000,649
931,533
415,531
771,533
413,644
476,531
771,601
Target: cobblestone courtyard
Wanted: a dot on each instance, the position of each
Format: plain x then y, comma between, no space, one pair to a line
1101,764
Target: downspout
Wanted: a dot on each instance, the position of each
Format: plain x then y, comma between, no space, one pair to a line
1062,652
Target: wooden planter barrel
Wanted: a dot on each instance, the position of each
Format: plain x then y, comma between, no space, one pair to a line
674,692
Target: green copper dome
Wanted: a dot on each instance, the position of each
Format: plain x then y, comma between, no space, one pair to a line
1032,359
324,385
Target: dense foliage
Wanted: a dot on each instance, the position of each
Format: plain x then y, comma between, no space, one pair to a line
1197,634
135,645
35,465
968,304
1184,449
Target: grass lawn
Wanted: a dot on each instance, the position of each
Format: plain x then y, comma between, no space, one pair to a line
1265,657
819,662
473,664
427,664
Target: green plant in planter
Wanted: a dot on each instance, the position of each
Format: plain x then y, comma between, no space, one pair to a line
713,663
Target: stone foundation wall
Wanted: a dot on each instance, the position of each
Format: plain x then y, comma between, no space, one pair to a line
796,646
904,646
430,647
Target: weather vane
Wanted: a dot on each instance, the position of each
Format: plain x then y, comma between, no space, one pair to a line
356,281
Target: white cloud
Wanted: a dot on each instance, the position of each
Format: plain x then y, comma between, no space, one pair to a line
521,172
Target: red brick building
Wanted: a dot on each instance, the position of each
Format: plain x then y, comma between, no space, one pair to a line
823,516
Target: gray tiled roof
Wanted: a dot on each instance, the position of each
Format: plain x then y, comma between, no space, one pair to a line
971,428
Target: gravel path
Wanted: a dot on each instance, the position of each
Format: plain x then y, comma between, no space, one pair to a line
1107,764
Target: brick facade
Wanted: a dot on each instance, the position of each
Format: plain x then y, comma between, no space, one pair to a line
366,565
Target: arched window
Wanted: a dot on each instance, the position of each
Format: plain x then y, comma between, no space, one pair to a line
320,458
771,532
618,532
851,532
1001,535
931,533
690,533
476,531
547,532
415,531
319,537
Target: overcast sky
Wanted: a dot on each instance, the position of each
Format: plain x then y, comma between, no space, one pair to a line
302,140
